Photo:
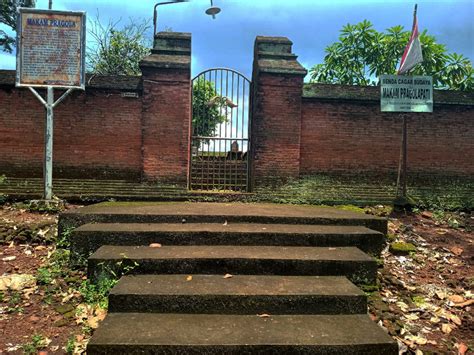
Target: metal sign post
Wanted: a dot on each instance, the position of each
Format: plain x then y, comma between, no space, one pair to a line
51,54
49,104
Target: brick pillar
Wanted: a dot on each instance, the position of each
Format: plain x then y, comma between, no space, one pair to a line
166,116
277,81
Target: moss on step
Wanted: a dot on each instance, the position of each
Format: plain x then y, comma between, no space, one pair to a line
401,248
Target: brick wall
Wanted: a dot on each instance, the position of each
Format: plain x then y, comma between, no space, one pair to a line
166,126
276,118
348,133
297,129
96,134
166,118
276,127
100,133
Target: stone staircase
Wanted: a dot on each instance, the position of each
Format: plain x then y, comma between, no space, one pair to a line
232,278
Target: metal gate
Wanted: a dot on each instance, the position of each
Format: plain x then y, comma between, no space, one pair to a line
219,158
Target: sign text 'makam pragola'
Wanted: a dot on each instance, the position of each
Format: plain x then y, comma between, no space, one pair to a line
49,22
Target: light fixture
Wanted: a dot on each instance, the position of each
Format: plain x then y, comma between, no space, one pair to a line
213,10
155,12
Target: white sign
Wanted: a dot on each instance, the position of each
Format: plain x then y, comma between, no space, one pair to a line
401,93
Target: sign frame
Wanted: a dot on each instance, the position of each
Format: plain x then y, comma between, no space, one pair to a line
19,64
401,88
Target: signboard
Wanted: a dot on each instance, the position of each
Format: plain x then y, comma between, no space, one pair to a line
401,93
51,49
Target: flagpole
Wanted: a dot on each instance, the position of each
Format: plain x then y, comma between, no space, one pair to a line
403,162
414,14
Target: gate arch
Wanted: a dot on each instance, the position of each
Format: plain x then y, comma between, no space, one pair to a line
220,131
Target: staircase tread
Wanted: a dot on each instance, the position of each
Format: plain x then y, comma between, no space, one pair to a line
230,227
148,329
221,209
237,285
231,252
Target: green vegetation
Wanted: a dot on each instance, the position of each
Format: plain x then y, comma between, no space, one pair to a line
8,17
14,301
70,345
427,192
114,51
369,289
59,267
97,294
3,197
391,237
362,54
53,206
37,342
63,240
208,109
351,208
418,300
401,248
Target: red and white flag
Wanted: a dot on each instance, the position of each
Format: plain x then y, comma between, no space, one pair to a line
412,55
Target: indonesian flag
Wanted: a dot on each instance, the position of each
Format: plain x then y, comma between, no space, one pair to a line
412,55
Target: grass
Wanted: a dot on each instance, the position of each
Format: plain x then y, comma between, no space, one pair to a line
59,267
14,301
97,294
37,342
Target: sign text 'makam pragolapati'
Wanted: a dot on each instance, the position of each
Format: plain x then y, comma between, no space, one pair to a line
51,48
400,93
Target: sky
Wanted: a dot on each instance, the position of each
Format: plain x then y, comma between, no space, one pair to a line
312,25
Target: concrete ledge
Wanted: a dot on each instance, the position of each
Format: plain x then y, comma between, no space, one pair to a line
88,238
240,294
202,212
245,260
372,93
139,333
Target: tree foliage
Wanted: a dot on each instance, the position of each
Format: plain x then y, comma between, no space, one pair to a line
362,54
8,17
209,110
117,52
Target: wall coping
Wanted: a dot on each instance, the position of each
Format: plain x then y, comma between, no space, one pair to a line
274,55
108,82
372,93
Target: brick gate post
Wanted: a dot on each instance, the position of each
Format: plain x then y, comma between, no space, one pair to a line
166,110
277,81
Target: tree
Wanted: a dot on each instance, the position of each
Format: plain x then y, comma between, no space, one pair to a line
362,54
208,109
8,17
117,52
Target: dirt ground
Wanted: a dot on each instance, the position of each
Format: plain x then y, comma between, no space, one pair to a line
424,298
37,310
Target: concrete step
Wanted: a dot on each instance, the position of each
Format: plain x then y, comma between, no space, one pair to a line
151,333
89,237
239,294
249,260
202,212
